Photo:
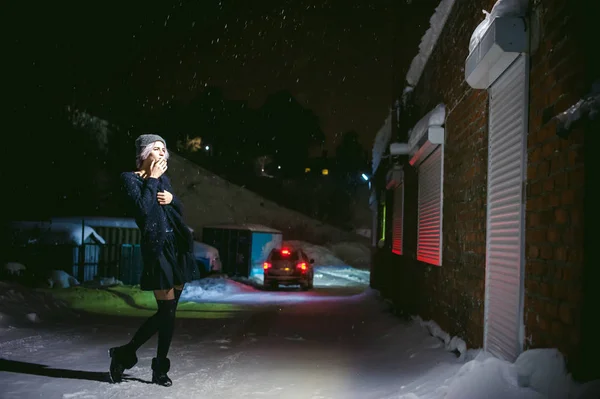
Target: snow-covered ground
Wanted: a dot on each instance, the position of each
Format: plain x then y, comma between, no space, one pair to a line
234,339
321,344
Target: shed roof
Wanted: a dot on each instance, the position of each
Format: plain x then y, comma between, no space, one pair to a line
54,233
99,221
258,228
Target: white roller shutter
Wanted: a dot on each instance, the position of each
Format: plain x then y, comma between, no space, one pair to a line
398,224
429,235
508,102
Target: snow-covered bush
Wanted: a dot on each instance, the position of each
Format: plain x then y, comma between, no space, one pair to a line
61,279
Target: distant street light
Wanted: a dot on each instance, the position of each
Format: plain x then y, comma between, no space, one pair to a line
365,177
207,148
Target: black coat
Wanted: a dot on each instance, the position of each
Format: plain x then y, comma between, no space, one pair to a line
153,221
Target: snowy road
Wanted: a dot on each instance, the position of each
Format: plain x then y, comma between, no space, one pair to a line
333,342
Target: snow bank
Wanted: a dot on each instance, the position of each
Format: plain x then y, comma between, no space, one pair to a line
428,41
22,306
453,344
321,255
353,253
61,279
502,8
212,289
535,374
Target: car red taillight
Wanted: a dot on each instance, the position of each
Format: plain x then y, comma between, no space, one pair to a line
266,265
302,266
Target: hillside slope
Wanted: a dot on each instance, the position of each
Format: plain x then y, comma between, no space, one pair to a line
210,199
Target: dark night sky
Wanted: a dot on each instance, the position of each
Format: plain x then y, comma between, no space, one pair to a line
333,55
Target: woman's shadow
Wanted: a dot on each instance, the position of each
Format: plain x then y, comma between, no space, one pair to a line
14,366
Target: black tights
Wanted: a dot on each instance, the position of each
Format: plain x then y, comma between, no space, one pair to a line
163,322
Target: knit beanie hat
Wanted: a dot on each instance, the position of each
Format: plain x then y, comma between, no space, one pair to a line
146,139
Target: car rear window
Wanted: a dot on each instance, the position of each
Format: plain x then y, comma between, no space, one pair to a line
276,255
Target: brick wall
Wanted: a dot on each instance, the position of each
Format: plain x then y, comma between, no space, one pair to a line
453,294
555,184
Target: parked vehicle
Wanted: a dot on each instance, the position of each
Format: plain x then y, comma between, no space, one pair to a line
207,258
242,246
288,266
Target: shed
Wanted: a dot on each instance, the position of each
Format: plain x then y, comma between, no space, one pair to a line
44,246
120,257
242,246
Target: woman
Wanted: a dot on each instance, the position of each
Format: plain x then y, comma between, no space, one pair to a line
166,246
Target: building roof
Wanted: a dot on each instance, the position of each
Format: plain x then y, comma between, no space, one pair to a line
99,221
54,233
257,228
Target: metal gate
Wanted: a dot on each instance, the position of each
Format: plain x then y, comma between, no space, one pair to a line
398,224
508,102
429,234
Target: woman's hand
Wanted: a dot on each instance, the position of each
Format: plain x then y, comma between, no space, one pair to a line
164,197
158,168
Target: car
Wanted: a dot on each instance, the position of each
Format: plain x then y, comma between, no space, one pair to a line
287,266
207,258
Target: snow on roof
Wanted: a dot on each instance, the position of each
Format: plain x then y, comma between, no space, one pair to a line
55,233
502,8
204,250
259,228
428,41
99,221
435,117
383,137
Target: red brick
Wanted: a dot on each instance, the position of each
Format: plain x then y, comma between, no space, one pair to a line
576,219
536,188
575,297
533,251
552,235
567,197
545,290
546,252
576,178
549,185
542,170
551,310
565,314
557,164
532,286
573,158
561,181
535,156
560,254
561,216
575,255
557,331
533,219
554,200
560,291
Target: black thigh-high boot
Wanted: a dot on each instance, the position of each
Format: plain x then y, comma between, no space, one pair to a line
124,357
161,363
